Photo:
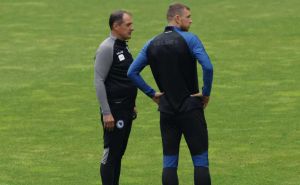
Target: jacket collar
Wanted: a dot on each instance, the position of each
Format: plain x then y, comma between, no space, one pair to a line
172,28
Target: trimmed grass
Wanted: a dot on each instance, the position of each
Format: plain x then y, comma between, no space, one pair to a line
49,123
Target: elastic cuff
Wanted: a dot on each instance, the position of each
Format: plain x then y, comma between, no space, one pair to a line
106,113
151,94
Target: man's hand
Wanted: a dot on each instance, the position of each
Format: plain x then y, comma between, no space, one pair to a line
157,96
205,99
109,122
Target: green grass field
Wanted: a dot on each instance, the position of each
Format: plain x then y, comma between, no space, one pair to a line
49,124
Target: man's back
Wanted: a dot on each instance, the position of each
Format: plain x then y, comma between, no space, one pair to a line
173,67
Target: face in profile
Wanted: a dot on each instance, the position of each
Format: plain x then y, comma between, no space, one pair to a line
125,28
185,20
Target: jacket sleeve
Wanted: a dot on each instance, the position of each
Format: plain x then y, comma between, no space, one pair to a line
103,62
134,72
200,54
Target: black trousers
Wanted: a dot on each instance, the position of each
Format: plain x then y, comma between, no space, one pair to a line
192,125
115,143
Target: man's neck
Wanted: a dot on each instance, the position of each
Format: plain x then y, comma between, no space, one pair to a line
113,34
174,24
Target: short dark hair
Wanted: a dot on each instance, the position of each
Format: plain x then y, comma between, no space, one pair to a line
174,9
117,16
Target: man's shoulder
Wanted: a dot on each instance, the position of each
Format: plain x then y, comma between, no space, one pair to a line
187,35
149,42
107,44
191,39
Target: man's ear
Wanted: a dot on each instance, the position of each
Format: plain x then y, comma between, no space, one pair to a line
177,19
115,26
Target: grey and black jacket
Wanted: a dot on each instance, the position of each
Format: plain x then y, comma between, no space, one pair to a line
113,88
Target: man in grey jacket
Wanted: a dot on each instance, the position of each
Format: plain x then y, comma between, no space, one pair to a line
116,94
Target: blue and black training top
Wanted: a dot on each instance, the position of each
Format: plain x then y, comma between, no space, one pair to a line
172,58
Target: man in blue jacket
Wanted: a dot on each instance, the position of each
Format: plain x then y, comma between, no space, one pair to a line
172,58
